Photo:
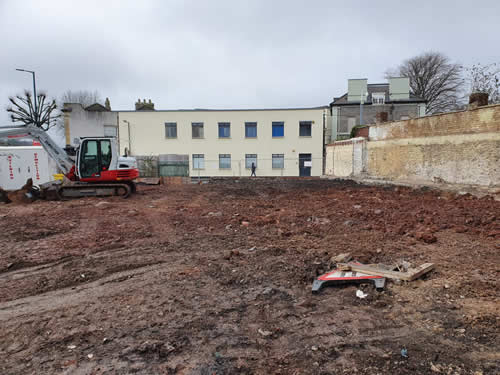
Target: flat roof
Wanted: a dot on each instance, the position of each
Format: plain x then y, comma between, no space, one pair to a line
224,109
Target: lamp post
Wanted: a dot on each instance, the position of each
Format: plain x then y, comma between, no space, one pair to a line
34,91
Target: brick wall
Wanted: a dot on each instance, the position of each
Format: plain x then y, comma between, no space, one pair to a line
480,120
454,148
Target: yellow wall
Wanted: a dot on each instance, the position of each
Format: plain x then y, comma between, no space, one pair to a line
147,137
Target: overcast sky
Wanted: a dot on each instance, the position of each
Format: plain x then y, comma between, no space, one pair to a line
230,53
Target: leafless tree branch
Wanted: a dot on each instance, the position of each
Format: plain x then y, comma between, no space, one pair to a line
434,78
23,110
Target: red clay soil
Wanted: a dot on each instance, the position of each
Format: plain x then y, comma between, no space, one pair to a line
216,279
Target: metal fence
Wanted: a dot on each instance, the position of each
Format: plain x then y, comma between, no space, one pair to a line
183,165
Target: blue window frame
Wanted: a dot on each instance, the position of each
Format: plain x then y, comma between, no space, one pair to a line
250,130
224,129
278,129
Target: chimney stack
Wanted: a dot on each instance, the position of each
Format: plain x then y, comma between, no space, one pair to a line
478,99
144,106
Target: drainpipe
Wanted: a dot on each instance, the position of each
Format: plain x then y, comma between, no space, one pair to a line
129,143
324,146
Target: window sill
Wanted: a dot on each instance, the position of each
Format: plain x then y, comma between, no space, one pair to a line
279,136
198,169
198,137
224,137
250,137
305,136
170,137
276,168
225,169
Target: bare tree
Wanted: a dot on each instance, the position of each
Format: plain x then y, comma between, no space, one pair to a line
486,79
434,78
24,110
84,97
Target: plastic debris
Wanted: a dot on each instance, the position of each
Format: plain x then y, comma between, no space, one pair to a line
360,294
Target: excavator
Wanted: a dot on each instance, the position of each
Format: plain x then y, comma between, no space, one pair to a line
97,169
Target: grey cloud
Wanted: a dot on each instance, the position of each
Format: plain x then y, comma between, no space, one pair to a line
220,54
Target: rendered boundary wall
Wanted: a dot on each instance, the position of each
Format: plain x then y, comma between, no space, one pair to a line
454,148
346,158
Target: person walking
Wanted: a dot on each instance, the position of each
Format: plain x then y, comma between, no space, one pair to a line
253,170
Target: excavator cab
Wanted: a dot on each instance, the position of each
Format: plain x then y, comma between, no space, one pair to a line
98,160
95,157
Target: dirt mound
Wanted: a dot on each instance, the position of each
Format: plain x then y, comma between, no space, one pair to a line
4,198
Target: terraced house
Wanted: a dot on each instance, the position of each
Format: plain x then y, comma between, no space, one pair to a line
368,103
204,142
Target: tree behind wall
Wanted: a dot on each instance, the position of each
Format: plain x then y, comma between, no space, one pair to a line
434,78
484,79
84,97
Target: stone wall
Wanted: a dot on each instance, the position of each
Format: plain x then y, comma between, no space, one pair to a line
454,148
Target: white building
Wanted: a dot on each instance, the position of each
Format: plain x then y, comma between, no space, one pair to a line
279,142
93,121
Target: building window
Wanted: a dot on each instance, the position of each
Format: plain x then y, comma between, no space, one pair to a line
198,161
278,129
224,129
378,98
250,130
197,129
404,118
110,131
170,130
249,159
305,128
224,161
278,161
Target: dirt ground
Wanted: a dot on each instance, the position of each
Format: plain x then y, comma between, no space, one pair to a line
216,279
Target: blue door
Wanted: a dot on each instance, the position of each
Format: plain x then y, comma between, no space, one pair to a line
305,165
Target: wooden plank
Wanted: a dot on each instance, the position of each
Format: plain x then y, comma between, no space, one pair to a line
415,273
341,258
370,270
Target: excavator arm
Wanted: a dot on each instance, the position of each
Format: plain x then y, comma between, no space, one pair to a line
62,159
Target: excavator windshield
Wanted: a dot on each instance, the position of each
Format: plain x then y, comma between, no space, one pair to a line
95,157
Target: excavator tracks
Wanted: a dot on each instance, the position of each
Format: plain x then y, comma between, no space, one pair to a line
93,190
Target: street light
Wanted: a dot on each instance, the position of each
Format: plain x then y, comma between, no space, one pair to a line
34,90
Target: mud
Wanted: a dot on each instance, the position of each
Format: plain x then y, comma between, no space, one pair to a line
216,279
